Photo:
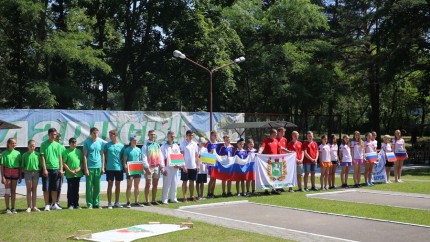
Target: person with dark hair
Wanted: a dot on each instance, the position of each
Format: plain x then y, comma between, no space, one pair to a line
10,170
226,150
52,168
190,150
310,148
250,183
132,153
72,162
113,151
296,146
270,146
212,147
57,201
325,161
94,168
334,155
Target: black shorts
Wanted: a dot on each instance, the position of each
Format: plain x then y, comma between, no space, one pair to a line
52,182
334,162
202,178
133,176
190,175
389,164
114,176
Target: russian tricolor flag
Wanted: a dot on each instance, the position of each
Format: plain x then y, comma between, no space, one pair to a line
372,157
232,169
391,157
401,155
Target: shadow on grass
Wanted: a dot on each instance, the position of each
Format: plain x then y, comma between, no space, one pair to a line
417,172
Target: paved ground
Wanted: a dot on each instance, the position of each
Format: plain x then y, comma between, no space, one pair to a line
395,199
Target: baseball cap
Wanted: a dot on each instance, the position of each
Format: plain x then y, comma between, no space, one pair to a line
202,140
133,137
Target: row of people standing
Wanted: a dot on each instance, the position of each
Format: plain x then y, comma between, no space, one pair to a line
111,158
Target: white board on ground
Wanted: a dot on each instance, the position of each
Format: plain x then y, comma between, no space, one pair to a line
135,232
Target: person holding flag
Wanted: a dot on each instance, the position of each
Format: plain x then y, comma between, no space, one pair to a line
132,153
370,158
202,174
250,183
226,150
243,154
170,178
212,146
389,161
153,162
190,151
401,155
270,146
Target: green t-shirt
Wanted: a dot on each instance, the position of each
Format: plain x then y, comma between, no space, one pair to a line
52,152
133,154
113,156
73,158
94,151
31,161
11,159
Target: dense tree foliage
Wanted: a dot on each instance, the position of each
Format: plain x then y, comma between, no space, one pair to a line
362,63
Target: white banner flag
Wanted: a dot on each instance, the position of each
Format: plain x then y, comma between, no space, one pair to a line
379,174
275,171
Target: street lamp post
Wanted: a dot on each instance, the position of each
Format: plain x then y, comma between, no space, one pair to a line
179,54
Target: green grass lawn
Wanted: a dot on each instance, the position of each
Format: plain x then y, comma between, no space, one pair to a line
58,225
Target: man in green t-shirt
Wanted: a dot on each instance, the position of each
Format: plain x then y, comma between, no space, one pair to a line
58,140
73,160
94,168
113,151
52,168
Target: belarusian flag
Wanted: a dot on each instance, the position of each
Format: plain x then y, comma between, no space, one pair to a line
135,167
177,159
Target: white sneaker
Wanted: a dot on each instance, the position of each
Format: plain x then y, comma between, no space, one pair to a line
8,211
28,210
70,207
47,208
35,209
110,206
55,207
117,205
13,211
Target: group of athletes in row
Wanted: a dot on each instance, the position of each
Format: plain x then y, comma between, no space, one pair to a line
98,157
